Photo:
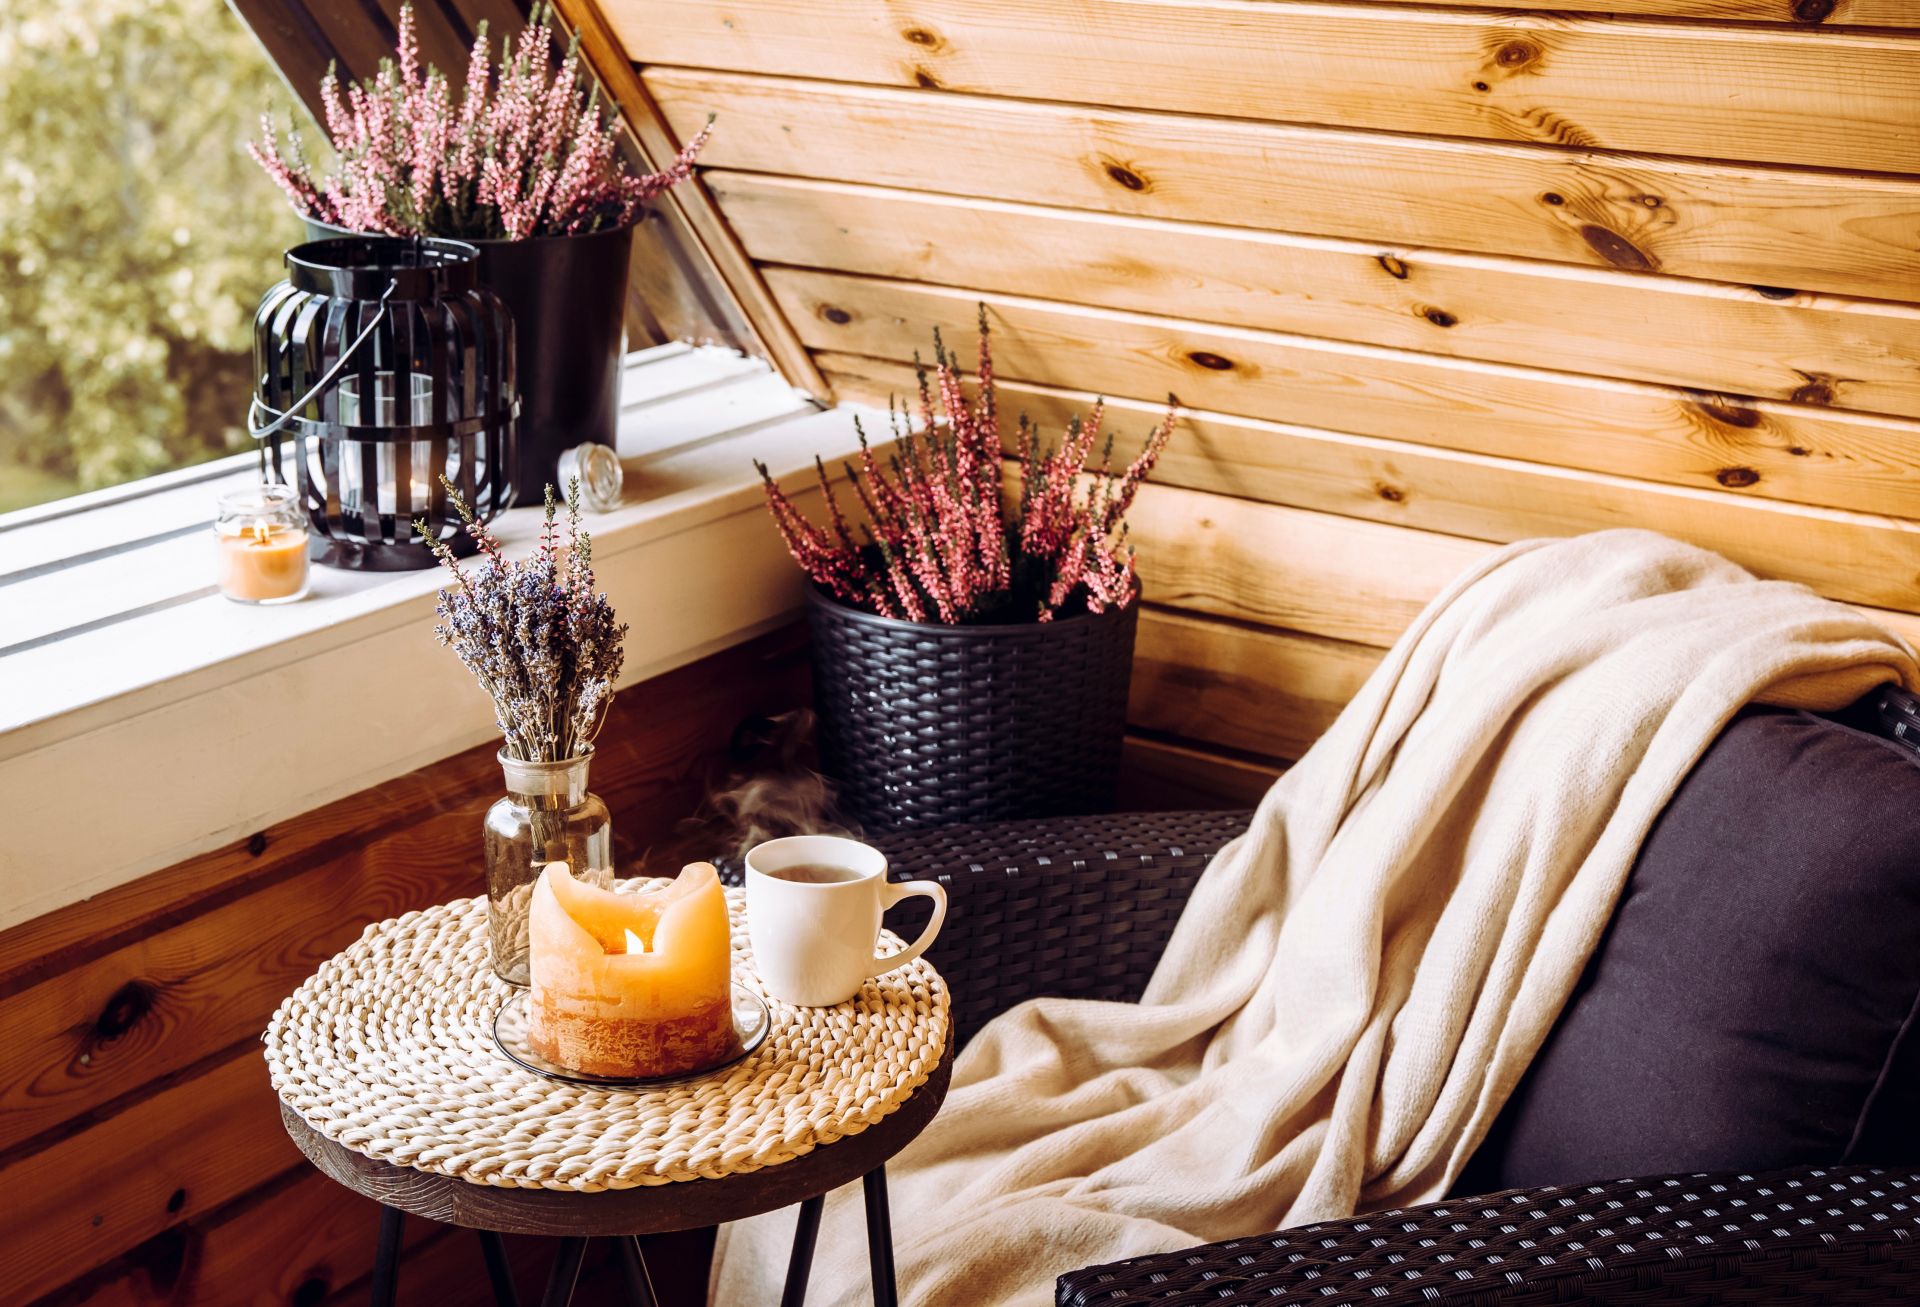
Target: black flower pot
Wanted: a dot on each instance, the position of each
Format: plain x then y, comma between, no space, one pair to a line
567,295
924,725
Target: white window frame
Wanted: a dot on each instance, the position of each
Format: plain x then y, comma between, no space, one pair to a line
144,719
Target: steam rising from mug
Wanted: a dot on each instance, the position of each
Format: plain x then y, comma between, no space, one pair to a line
782,796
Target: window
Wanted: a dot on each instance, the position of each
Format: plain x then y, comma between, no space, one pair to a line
136,237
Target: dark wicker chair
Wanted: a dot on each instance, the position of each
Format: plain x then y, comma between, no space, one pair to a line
1083,907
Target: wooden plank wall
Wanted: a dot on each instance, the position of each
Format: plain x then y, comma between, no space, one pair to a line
1428,278
141,1150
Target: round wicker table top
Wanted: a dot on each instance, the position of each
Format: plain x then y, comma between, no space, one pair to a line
390,1081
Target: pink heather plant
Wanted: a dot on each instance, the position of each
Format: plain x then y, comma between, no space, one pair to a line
939,543
528,151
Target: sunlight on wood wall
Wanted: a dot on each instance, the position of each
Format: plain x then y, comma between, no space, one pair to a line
1428,277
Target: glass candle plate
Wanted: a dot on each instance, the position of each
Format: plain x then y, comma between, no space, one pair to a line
751,1022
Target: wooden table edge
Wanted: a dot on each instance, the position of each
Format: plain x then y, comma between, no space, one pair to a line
649,1209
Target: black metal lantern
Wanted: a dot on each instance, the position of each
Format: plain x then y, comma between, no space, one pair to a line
381,365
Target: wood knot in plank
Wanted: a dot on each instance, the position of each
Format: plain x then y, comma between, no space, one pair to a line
1737,478
1395,268
1812,11
1515,55
925,80
1392,494
1818,390
1726,412
1212,362
164,1257
1438,317
1617,249
923,37
257,843
838,316
1126,176
128,1005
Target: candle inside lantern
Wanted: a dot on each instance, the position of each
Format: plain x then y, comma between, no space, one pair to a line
262,543
632,985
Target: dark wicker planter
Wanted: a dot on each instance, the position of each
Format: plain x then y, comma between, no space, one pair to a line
922,725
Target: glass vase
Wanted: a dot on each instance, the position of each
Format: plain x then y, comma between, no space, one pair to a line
546,816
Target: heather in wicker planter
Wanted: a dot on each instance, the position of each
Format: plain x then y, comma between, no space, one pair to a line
973,622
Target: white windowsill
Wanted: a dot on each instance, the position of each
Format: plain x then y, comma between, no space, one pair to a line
144,719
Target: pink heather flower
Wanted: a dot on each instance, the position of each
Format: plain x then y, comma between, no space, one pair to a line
941,541
531,150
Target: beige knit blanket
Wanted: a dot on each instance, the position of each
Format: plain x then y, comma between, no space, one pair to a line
1359,980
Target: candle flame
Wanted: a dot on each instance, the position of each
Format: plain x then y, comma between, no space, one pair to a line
634,944
259,531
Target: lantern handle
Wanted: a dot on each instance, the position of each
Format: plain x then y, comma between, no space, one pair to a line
327,378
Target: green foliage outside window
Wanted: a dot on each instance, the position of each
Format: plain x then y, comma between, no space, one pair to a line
135,238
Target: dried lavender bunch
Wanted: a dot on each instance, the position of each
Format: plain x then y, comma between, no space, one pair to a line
940,541
529,150
545,647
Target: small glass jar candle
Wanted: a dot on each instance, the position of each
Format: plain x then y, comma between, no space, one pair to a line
262,538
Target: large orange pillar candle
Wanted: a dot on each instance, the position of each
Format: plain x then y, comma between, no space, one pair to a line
631,984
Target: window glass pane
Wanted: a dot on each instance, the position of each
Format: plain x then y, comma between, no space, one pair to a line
136,236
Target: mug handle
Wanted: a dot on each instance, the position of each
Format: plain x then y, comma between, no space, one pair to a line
890,894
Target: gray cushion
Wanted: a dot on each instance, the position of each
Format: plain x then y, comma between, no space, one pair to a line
1750,1005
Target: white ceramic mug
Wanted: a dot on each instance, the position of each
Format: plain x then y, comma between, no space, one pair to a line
813,941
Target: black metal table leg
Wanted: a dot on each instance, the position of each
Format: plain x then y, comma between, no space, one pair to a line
880,1238
566,1269
386,1257
800,1261
633,1261
498,1270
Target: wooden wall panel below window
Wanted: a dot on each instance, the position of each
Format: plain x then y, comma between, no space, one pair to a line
1692,89
137,1127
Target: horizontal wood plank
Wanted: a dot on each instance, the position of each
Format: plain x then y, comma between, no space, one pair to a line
1850,353
291,1241
182,1150
1833,231
1267,692
1804,14
163,1002
104,1024
1823,98
1315,573
1168,775
1860,558
1337,577
1764,449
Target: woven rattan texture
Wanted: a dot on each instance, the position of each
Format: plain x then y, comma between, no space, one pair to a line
1079,907
1828,1235
923,725
388,1049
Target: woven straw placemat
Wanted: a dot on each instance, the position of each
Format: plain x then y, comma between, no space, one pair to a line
388,1049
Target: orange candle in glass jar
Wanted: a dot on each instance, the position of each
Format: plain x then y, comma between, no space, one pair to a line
262,545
